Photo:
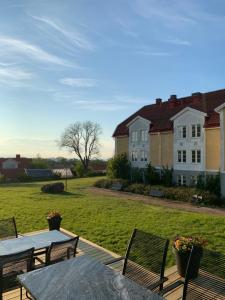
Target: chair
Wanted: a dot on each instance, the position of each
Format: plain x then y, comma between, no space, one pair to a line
210,283
12,265
8,228
145,259
59,251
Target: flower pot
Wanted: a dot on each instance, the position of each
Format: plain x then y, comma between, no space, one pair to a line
182,261
54,222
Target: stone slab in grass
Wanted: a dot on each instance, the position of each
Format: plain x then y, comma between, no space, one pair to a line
156,193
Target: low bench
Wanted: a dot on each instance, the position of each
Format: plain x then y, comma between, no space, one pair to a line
116,186
156,193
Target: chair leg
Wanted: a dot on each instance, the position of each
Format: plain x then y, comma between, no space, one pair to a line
21,293
28,296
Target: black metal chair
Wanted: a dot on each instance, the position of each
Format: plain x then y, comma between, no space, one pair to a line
8,228
59,251
145,259
210,283
12,265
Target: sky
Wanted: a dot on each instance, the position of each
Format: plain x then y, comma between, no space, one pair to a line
77,60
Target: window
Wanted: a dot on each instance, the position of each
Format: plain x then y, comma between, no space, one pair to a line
181,180
144,155
181,156
182,132
196,130
196,156
134,156
194,180
144,135
134,136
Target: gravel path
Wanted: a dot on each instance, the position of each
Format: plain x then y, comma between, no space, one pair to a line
159,201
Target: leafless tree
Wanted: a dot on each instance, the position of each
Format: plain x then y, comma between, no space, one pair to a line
82,138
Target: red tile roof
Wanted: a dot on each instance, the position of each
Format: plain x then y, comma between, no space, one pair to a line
160,114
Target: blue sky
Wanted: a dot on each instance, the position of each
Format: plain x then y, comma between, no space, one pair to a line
67,61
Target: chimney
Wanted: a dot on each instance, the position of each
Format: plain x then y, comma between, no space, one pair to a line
158,101
173,101
196,97
17,156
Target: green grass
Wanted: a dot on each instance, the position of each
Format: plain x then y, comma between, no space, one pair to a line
107,221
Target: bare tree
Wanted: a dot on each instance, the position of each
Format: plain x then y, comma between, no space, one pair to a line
82,138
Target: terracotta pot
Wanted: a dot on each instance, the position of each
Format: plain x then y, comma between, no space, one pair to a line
54,222
182,261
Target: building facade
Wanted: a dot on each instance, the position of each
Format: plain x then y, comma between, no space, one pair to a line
12,168
186,134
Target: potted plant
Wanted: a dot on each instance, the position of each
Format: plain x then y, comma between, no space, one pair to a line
182,248
54,219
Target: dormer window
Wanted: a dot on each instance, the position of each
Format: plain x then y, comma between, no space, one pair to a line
134,136
144,135
182,132
196,130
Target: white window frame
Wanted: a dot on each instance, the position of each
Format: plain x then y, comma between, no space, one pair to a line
144,156
144,135
194,180
181,179
182,154
197,130
180,132
197,154
134,156
134,136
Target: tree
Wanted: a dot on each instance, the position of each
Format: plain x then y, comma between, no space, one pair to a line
119,167
82,138
39,163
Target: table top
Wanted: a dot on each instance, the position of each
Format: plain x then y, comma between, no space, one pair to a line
38,241
82,278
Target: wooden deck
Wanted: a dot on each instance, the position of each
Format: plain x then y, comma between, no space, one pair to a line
86,247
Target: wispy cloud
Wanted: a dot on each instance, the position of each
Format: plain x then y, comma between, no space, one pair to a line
16,46
14,77
74,37
153,53
78,82
177,42
82,102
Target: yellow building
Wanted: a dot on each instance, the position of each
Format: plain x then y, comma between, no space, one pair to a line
186,134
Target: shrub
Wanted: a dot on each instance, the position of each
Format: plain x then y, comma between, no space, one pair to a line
53,188
180,193
108,183
137,175
136,188
167,176
151,174
213,184
210,199
147,190
2,178
200,182
119,167
79,169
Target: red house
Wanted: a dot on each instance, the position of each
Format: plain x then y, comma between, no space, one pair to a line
11,168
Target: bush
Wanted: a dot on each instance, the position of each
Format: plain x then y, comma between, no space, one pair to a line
119,167
137,175
108,183
2,178
53,188
210,199
167,176
200,182
24,178
213,184
79,169
151,174
136,188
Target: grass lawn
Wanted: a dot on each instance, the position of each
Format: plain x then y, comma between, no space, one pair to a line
107,221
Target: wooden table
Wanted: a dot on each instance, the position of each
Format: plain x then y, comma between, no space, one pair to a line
82,278
38,241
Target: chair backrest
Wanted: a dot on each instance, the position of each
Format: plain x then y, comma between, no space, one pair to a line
13,265
8,228
59,251
210,283
145,257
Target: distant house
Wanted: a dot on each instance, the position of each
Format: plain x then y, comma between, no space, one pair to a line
12,168
39,173
63,172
